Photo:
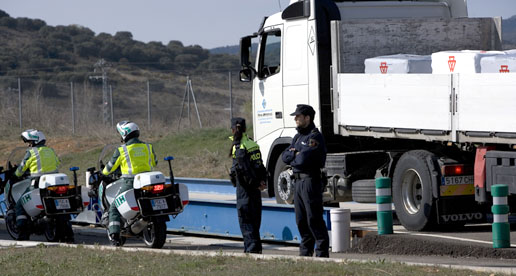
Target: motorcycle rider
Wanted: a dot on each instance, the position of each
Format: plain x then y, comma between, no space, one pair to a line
39,160
132,157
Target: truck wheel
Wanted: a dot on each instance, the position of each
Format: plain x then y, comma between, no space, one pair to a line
412,190
364,191
283,183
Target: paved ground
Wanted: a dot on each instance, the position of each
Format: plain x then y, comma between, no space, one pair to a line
400,247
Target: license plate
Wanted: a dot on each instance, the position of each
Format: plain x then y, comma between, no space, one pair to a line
458,180
62,204
159,204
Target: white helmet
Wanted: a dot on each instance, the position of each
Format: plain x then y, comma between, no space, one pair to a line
33,136
127,130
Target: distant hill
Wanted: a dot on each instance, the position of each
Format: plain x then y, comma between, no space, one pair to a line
30,46
230,50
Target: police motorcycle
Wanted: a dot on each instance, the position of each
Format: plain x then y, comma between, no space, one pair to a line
145,209
49,205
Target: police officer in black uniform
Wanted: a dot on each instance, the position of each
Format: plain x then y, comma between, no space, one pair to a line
307,155
248,175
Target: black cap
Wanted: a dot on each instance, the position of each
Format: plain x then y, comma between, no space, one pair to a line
238,121
304,109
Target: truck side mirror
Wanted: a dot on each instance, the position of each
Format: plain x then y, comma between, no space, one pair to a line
247,74
245,51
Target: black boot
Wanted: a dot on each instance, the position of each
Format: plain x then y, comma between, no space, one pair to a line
23,232
115,239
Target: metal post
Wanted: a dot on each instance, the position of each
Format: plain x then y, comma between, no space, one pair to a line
111,104
73,107
188,85
20,102
148,105
230,98
182,105
501,227
384,205
195,104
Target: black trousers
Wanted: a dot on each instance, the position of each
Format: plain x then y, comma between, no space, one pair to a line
249,207
309,217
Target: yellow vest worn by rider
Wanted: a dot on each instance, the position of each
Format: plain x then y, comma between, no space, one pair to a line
39,160
133,157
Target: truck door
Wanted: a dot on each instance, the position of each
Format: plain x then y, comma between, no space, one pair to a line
268,90
295,67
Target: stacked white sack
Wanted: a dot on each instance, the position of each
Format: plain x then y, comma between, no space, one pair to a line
466,61
398,64
500,64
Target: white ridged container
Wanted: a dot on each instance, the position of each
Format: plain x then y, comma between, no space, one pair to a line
500,64
399,64
340,229
459,62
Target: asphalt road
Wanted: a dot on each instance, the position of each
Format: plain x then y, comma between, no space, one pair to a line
477,236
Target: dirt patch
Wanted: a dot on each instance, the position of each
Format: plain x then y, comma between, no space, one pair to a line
401,244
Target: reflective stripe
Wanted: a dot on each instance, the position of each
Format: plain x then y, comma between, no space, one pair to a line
150,156
40,174
114,223
21,217
500,200
384,207
38,159
128,175
128,160
500,218
383,192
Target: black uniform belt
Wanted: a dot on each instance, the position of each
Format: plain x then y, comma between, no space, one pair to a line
302,175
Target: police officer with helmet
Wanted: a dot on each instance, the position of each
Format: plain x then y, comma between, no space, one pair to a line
307,155
39,160
132,157
248,175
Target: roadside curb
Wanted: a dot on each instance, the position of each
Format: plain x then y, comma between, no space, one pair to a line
31,244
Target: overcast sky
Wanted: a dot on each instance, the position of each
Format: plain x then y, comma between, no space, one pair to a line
209,23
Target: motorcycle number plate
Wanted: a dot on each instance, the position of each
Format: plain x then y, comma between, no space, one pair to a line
159,204
62,204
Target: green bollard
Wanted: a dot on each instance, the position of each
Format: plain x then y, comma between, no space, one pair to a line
500,209
384,205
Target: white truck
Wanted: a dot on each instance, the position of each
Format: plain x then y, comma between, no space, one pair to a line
444,139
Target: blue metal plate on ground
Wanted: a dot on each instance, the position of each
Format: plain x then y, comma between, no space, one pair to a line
219,217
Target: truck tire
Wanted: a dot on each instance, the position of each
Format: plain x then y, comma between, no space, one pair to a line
283,183
412,190
364,191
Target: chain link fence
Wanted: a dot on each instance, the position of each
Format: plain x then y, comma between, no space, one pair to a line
94,105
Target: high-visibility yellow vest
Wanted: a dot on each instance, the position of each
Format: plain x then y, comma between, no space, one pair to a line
39,160
132,160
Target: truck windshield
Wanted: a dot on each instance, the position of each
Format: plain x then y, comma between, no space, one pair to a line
270,54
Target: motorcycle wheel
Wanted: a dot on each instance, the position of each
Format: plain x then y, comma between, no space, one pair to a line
155,234
10,224
52,233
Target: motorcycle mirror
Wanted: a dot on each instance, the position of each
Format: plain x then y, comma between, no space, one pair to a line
91,170
169,158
